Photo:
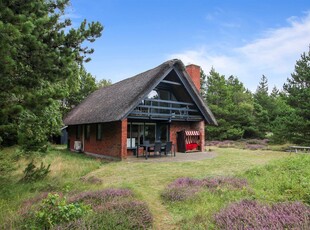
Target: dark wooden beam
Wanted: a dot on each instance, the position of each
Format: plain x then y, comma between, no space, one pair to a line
183,109
171,82
168,115
163,118
171,102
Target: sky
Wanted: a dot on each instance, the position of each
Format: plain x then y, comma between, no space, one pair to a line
244,38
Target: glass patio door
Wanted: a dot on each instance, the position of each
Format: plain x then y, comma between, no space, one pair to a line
139,132
162,132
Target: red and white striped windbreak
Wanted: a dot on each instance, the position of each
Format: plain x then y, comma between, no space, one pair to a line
192,133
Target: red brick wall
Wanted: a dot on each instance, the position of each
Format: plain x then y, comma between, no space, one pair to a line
113,143
123,139
194,72
114,137
200,126
178,126
72,136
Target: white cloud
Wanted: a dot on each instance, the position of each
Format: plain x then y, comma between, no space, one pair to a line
214,14
274,55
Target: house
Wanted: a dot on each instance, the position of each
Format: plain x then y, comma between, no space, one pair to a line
153,105
62,138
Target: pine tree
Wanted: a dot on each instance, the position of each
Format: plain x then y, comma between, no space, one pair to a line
40,55
84,85
263,107
203,84
104,83
232,106
297,89
275,92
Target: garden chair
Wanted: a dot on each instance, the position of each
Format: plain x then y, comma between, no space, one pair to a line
168,149
157,148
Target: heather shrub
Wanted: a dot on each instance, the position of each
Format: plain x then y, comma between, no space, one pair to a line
252,144
103,209
98,198
124,215
181,189
114,209
257,141
179,193
253,215
185,188
215,183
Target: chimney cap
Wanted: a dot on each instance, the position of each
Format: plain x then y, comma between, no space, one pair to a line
193,65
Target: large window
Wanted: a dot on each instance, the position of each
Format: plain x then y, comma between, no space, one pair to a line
99,132
140,132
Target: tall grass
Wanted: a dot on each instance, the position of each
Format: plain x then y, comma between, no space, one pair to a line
284,180
66,170
147,180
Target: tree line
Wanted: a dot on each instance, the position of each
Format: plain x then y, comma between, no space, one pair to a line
280,115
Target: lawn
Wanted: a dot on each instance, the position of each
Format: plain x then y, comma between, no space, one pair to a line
148,179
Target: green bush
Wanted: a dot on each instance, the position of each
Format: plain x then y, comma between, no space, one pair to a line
235,133
55,210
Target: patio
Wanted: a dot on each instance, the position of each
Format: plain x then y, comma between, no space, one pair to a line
180,157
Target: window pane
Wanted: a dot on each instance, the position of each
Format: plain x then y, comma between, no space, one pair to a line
164,95
150,132
163,129
137,132
153,95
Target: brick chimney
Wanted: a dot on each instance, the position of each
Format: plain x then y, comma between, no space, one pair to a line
194,73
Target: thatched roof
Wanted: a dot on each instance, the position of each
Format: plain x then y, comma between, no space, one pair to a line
115,102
